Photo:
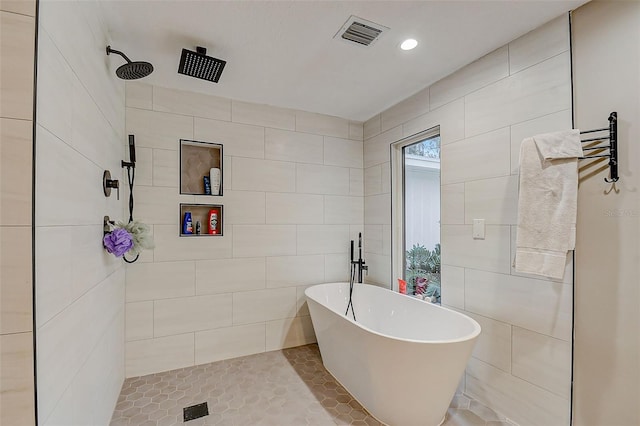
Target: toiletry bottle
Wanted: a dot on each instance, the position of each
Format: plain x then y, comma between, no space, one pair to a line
207,185
187,224
198,228
213,221
214,177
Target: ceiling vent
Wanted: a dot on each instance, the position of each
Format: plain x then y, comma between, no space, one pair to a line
360,31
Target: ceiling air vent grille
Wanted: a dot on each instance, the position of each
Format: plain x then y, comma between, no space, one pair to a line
360,31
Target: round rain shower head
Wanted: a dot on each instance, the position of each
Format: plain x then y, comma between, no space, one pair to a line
134,70
131,70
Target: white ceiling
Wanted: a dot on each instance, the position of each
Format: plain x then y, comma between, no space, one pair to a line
283,53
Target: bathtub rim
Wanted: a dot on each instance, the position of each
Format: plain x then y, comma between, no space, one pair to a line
473,335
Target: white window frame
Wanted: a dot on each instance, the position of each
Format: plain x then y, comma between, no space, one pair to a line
397,201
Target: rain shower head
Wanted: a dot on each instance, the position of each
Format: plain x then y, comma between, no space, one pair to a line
197,64
131,70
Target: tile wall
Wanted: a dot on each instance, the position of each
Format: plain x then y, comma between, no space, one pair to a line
606,44
17,42
521,365
293,198
80,287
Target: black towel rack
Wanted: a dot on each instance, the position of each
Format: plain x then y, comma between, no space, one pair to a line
612,146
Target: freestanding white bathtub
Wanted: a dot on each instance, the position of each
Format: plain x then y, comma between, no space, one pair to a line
402,359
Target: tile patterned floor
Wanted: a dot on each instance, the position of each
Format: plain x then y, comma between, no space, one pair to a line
280,388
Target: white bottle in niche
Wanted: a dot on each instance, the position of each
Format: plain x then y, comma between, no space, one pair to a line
214,175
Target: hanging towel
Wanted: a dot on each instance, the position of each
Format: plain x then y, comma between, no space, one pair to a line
547,202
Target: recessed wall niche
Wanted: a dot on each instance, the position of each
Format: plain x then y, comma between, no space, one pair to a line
201,221
198,163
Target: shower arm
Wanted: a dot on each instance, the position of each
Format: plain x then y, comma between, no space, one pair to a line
110,50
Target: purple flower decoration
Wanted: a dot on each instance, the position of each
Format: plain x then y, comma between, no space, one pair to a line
118,242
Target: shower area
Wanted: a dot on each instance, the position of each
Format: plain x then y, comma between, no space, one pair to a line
289,215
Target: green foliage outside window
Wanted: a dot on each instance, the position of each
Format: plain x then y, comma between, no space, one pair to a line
423,271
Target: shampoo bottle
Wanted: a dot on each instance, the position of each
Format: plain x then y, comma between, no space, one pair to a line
187,224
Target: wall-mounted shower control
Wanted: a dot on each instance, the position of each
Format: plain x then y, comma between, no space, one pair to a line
108,183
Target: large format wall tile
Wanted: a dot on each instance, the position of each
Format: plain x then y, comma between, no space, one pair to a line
286,333
536,91
479,157
494,200
15,180
514,305
264,305
138,95
291,271
182,315
540,44
67,341
459,248
242,207
191,103
542,360
549,123
15,280
240,140
139,321
263,175
230,275
23,7
406,109
293,146
264,240
452,286
478,74
159,354
154,129
315,179
519,400
494,343
229,342
449,117
321,124
322,239
16,379
16,70
162,280
372,127
295,208
263,115
171,247
343,210
377,149
69,264
342,152
356,182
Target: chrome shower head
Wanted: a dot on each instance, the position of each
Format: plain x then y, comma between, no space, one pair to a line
131,70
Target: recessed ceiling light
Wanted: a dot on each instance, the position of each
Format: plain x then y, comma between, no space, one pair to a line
408,44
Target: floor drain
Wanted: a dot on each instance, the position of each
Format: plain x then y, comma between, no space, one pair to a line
195,411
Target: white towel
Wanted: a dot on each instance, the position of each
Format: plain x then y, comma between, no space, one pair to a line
547,202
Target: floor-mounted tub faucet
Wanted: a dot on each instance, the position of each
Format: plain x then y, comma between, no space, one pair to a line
360,262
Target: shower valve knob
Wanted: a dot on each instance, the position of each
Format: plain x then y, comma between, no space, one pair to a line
108,183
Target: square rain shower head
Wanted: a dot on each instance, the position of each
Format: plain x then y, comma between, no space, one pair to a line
199,65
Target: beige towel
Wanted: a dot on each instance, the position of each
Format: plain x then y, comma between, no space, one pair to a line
547,202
